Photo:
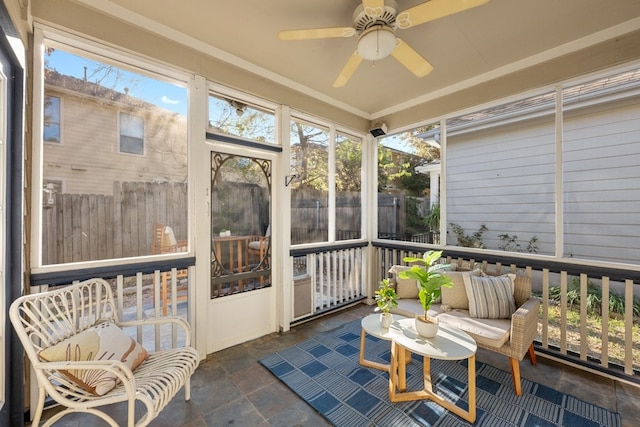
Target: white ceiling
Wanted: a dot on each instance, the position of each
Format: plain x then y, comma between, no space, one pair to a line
467,48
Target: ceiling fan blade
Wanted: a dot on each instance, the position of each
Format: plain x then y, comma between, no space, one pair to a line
373,8
348,70
316,33
434,9
411,59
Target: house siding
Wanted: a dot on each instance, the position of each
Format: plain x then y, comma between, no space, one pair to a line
602,182
87,160
512,190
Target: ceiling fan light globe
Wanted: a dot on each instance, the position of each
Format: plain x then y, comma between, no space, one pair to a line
376,43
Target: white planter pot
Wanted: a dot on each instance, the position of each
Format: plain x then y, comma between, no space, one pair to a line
385,320
426,329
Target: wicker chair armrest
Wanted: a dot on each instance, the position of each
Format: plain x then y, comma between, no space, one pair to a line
162,321
524,327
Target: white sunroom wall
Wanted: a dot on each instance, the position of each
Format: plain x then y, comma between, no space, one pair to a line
502,176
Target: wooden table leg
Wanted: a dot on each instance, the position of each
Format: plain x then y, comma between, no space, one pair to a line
395,380
370,363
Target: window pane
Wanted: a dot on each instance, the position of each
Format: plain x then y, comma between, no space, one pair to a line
348,187
237,118
601,153
501,177
309,189
109,203
403,186
131,134
51,126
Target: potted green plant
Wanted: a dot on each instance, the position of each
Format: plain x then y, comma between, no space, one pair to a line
386,299
430,283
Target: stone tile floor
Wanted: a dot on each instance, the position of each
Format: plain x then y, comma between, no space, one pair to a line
231,388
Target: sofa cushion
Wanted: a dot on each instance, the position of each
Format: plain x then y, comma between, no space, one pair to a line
487,332
105,341
456,297
490,297
405,288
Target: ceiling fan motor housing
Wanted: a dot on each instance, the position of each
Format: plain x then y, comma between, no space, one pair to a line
362,21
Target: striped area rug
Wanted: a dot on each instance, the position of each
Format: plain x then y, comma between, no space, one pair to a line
324,371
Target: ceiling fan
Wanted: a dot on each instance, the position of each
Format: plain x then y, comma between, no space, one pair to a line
375,23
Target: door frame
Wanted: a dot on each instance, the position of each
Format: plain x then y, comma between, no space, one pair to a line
236,318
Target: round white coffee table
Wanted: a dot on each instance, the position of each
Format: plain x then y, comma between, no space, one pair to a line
449,344
371,325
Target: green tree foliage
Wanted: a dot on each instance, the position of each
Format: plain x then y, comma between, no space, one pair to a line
396,169
309,156
348,165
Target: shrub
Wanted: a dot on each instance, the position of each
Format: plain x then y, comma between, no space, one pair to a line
472,241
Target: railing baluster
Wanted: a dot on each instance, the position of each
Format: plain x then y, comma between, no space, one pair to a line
139,304
628,327
583,316
604,357
120,295
156,304
545,308
563,312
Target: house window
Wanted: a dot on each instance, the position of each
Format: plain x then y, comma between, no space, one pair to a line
131,134
51,128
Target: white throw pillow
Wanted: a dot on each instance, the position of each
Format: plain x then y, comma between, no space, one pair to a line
490,297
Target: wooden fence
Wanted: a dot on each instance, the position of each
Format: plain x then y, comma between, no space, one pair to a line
87,227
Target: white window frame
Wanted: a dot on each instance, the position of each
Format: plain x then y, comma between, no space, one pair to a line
333,131
3,229
100,51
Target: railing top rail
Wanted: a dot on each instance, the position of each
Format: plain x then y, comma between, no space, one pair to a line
106,272
522,260
327,248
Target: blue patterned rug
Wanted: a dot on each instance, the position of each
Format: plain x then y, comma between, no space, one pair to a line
325,372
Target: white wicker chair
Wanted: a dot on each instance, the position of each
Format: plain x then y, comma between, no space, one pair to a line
42,320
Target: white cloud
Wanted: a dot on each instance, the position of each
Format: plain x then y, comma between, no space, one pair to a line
168,100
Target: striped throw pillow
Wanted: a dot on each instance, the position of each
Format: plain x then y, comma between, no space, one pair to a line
490,297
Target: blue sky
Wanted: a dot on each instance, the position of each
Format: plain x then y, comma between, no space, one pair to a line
162,94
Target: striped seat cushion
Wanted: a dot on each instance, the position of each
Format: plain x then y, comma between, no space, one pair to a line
490,297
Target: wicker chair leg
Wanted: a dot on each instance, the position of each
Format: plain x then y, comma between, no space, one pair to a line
532,355
42,394
515,371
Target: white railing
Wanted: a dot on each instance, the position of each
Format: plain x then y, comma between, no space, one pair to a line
147,295
570,332
334,276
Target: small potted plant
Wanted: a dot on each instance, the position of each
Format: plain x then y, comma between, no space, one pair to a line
386,298
430,282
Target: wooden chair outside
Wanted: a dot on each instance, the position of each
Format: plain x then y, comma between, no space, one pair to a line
260,244
164,242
